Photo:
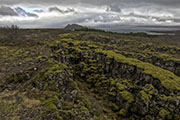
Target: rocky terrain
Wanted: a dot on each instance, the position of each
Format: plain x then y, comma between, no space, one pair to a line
56,74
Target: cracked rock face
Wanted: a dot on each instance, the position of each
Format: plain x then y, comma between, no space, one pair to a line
140,101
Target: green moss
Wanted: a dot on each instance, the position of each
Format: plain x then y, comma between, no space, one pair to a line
69,35
123,112
108,63
66,114
91,46
114,107
83,101
51,103
127,96
121,87
149,88
91,68
52,107
168,98
67,105
128,83
53,88
144,96
149,117
53,69
74,84
84,48
167,78
15,118
113,89
59,51
7,107
56,68
164,57
113,81
52,82
17,78
112,93
83,63
92,61
165,114
59,117
70,74
84,109
40,77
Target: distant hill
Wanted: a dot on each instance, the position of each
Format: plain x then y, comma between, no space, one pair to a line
73,27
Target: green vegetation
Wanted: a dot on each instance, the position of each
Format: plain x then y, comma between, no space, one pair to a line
165,114
127,96
167,78
123,112
88,74
144,96
121,86
51,103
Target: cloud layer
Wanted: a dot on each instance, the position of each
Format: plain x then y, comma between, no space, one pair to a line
95,2
7,11
58,13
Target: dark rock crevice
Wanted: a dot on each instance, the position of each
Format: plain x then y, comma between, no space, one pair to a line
139,107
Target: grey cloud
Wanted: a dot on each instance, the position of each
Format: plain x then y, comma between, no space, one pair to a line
132,14
177,20
32,15
171,3
114,8
92,12
69,10
56,9
7,11
39,11
48,22
106,18
159,19
22,12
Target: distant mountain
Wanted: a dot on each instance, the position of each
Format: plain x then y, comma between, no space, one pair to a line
73,27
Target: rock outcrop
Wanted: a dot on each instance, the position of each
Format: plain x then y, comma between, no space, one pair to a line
134,89
73,27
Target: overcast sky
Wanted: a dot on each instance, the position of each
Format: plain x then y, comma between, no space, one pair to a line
58,13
